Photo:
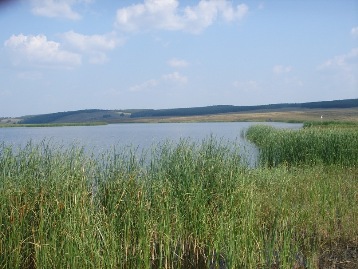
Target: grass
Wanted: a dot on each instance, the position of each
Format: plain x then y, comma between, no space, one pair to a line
188,205
326,143
322,124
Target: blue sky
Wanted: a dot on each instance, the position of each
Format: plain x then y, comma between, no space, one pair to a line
61,55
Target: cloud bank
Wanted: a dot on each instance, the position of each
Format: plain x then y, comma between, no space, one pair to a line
40,51
95,46
167,15
56,8
344,61
173,78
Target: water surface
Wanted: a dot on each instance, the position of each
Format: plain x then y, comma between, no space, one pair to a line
142,136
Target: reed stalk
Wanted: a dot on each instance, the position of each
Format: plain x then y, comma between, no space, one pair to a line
190,205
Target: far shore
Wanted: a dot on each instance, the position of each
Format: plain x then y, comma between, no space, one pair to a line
297,116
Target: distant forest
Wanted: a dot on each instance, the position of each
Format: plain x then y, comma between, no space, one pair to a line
110,115
49,118
219,109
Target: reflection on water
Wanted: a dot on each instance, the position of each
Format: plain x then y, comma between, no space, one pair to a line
141,136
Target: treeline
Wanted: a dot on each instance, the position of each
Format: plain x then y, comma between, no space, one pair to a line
48,118
193,111
347,103
219,109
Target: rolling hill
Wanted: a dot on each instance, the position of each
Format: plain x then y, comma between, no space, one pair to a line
134,115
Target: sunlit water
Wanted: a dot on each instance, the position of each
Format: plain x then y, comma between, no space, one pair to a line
140,136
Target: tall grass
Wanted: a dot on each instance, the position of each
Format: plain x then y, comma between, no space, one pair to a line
329,145
191,205
340,124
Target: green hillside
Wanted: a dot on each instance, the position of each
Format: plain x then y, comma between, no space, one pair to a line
113,116
208,110
88,115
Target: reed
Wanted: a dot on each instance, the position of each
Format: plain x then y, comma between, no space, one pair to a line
184,205
328,145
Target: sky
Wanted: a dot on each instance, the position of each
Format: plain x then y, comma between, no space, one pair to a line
64,55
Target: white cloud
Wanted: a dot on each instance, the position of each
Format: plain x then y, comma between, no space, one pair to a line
153,13
344,61
91,42
40,51
178,63
93,45
156,14
175,77
354,31
342,70
144,86
55,8
281,69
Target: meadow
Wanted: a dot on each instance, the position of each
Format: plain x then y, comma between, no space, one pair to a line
188,205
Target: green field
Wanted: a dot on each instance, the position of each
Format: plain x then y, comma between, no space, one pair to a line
190,205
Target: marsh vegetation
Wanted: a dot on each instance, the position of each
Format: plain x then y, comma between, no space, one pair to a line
191,205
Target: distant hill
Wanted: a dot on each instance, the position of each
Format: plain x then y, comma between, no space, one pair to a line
219,109
79,116
112,116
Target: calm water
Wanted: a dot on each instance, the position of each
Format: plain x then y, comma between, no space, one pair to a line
142,135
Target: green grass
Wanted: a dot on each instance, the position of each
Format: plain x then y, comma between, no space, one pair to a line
186,205
332,144
340,124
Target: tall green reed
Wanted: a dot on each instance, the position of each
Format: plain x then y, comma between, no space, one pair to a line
191,205
306,146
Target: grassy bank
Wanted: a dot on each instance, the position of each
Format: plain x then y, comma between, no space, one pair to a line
191,205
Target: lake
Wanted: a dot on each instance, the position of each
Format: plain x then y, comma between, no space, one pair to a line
142,136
